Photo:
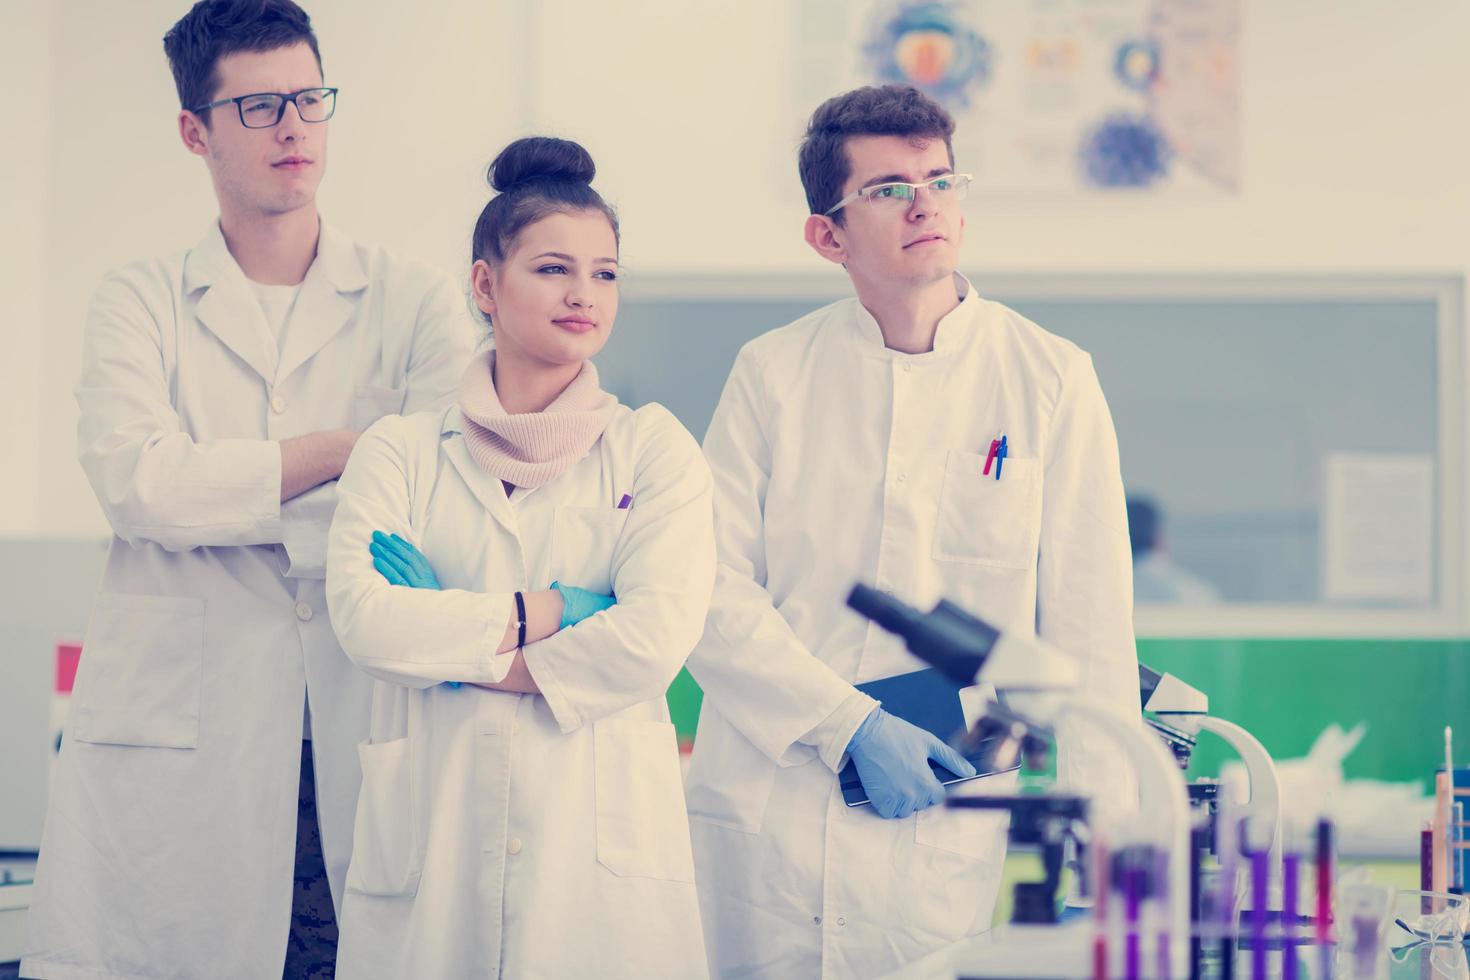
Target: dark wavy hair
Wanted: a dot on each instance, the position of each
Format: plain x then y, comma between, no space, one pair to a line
213,29
535,176
874,110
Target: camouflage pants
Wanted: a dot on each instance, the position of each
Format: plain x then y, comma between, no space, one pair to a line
311,948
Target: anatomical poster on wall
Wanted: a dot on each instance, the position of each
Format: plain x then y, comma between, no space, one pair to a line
1056,97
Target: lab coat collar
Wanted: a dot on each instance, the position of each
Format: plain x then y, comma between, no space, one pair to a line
485,487
956,328
328,299
229,309
453,422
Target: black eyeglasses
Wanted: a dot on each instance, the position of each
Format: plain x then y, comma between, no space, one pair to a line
265,109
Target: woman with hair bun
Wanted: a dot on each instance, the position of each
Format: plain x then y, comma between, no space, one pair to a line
524,575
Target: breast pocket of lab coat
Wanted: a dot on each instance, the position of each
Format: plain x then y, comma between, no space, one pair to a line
388,833
987,521
372,402
642,824
583,543
142,665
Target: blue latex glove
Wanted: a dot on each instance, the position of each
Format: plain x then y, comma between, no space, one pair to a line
577,604
892,759
401,563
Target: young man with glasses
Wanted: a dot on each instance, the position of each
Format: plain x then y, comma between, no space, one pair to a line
929,442
200,821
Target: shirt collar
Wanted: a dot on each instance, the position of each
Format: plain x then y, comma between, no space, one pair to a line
956,328
336,258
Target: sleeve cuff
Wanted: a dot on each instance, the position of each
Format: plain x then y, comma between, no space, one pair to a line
830,738
305,522
568,719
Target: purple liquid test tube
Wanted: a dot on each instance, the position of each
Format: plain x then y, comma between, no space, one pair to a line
1290,875
1260,871
1132,947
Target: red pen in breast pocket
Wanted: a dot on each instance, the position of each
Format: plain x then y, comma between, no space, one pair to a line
990,456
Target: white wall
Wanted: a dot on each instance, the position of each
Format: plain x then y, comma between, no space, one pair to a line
25,73
1356,142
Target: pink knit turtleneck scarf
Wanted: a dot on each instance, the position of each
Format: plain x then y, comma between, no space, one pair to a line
534,448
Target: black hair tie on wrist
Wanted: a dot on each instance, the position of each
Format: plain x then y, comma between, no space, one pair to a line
521,627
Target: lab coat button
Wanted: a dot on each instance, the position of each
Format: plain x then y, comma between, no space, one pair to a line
902,477
303,612
816,920
278,404
514,845
907,368
841,921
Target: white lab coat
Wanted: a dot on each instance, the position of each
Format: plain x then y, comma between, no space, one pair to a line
837,460
171,828
512,835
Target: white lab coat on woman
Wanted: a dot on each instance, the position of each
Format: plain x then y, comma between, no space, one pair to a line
837,460
170,835
508,835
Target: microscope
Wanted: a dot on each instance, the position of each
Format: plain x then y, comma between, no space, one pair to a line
1041,686
1178,713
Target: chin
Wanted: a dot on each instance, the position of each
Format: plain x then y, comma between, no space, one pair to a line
290,203
930,272
575,351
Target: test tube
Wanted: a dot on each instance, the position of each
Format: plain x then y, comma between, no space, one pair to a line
1324,896
1132,899
1290,870
1227,827
1260,905
1457,841
1161,901
1102,884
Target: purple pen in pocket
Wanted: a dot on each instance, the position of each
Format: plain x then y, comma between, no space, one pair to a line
626,502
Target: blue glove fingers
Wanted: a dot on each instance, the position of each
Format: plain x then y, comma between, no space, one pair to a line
950,759
386,557
579,604
406,553
411,561
405,547
885,805
388,572
383,547
415,557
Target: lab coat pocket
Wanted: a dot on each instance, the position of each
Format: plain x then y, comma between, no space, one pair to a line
141,671
642,827
985,521
979,834
372,402
583,540
387,848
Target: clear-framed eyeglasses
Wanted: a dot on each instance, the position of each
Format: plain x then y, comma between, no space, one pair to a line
900,194
265,109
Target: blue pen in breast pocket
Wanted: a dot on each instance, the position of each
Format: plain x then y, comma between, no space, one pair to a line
995,456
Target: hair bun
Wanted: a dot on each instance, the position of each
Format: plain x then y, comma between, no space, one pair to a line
541,158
